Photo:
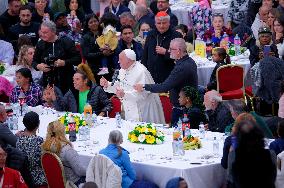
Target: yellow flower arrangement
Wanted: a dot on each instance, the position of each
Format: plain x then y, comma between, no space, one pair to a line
146,134
191,143
79,121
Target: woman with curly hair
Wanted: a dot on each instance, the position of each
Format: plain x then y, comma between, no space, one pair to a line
86,91
56,142
194,108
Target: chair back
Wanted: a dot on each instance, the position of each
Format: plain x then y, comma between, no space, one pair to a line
116,106
104,172
53,170
229,78
167,106
280,170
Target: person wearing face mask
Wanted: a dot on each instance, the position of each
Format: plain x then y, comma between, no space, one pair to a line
183,74
216,32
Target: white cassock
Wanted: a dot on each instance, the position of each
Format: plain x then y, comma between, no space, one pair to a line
144,106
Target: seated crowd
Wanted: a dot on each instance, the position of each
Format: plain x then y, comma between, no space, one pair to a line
61,55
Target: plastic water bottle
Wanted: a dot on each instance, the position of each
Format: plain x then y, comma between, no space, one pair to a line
87,133
95,120
201,130
215,147
185,123
81,133
69,20
118,120
179,124
180,147
237,44
187,132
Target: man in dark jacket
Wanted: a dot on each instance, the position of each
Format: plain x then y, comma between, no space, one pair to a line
183,74
219,115
56,57
24,27
156,57
11,15
127,42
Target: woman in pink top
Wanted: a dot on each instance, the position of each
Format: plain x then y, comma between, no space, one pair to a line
281,102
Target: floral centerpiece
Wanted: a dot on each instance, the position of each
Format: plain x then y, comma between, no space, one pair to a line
146,134
2,67
68,117
191,143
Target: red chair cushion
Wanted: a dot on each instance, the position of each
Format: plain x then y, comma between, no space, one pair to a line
53,171
248,91
235,94
116,106
167,108
230,78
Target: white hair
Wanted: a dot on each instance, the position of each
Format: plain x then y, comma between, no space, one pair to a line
214,95
115,137
181,44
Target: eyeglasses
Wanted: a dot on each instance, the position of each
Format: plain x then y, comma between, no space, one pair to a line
217,14
173,49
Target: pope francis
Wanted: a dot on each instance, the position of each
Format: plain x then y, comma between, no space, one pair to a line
144,106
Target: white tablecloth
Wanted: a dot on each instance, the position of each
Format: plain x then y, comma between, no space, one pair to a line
182,10
206,67
153,162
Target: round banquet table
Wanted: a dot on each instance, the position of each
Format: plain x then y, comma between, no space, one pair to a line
153,162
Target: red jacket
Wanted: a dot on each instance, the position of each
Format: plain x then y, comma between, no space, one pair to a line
13,179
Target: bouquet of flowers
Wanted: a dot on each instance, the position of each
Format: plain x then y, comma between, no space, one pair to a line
146,134
2,67
191,142
72,118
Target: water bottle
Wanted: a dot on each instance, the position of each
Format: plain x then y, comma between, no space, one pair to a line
237,44
95,120
69,20
187,132
118,120
215,147
180,147
201,130
179,124
185,123
87,133
81,133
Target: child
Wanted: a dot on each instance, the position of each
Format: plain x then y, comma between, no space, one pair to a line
108,39
220,57
278,145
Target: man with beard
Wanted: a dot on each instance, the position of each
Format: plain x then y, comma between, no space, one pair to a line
183,74
25,26
11,15
56,57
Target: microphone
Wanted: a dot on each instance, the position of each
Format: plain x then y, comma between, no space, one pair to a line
114,77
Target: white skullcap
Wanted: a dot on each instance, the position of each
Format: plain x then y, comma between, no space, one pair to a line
130,54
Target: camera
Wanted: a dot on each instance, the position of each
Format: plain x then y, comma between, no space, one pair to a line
49,60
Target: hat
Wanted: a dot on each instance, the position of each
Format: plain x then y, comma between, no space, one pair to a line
130,54
162,14
57,15
264,30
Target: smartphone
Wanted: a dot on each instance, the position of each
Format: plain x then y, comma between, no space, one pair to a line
145,34
266,50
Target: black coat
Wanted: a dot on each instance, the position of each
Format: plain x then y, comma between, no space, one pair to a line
195,116
160,66
183,74
255,50
64,49
96,97
213,80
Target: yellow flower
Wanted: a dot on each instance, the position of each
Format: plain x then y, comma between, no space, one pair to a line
150,139
62,120
84,123
133,138
138,129
144,130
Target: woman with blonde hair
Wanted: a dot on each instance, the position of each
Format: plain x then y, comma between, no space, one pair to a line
25,59
56,142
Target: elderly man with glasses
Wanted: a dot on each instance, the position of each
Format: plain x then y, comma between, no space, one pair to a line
183,74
